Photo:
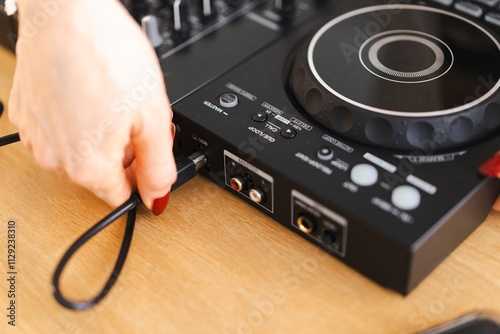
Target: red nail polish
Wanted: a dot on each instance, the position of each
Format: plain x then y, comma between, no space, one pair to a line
491,168
160,204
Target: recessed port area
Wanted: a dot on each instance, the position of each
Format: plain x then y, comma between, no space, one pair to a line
249,181
306,223
319,223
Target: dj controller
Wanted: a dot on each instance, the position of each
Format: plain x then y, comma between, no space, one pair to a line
360,125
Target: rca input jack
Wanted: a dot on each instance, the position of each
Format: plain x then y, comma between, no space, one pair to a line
238,183
257,195
306,223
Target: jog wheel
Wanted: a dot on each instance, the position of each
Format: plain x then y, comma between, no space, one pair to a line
401,77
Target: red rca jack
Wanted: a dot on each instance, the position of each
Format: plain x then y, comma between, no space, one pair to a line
238,183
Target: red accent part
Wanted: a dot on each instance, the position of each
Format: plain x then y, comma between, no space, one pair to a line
491,168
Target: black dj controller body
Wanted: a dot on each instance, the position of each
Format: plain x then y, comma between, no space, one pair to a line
392,209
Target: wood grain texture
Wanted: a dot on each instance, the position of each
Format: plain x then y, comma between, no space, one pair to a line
209,264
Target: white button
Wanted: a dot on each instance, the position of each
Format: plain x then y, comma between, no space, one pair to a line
406,197
364,175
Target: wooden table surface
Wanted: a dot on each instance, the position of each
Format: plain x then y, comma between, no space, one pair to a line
209,264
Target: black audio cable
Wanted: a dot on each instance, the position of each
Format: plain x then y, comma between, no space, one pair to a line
9,139
129,208
186,170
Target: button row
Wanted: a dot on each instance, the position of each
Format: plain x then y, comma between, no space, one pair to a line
230,100
403,197
475,8
287,132
469,8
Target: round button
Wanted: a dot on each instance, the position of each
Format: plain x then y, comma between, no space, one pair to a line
326,153
228,100
406,197
288,133
259,117
364,175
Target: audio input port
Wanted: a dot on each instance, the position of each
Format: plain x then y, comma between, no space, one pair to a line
257,195
330,236
306,224
237,183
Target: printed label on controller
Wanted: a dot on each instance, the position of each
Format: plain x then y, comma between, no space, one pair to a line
403,216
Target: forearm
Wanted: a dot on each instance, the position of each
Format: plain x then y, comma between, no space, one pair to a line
42,12
49,19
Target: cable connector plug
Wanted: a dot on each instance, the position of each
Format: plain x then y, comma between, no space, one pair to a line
187,168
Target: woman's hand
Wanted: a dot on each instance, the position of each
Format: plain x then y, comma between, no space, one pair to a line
89,98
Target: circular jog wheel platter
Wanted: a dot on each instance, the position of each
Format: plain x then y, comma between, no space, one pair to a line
400,77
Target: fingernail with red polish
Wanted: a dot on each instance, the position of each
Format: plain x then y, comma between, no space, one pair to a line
491,168
160,204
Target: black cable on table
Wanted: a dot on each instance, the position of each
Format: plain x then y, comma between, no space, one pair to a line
186,170
9,139
130,207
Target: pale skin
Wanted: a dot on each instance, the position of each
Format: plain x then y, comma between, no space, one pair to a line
89,99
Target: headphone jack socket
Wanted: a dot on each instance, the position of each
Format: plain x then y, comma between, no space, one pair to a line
306,223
